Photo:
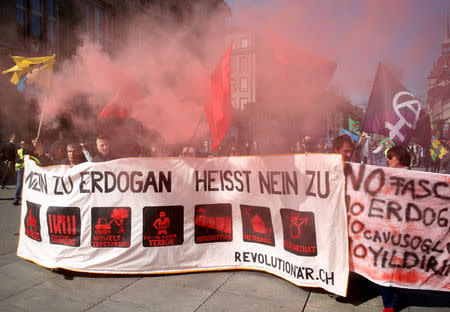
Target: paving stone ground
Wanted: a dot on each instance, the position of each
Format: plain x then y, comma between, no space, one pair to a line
25,286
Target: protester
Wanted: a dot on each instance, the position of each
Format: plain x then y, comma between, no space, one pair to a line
58,152
422,152
188,151
379,155
321,147
86,149
298,149
343,145
436,165
38,152
75,155
400,158
103,150
365,152
254,149
205,150
445,161
24,149
428,161
8,153
308,144
235,150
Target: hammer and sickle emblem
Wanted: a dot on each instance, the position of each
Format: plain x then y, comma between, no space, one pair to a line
413,105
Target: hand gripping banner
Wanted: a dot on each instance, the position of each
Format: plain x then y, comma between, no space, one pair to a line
399,226
284,215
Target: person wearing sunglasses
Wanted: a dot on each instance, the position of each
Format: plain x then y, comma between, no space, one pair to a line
397,157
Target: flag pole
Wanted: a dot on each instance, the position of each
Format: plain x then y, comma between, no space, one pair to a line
40,124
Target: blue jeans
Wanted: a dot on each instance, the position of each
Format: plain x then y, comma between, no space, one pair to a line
389,296
19,184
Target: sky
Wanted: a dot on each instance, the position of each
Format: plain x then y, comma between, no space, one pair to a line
357,34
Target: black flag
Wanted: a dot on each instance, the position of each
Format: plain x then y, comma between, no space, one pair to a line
394,112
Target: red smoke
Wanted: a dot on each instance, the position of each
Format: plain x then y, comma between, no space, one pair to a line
172,67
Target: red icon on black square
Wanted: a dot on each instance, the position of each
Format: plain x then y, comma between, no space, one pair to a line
32,222
299,232
111,227
163,226
213,223
257,225
64,225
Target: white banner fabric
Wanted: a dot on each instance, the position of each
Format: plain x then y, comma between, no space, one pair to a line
284,215
399,226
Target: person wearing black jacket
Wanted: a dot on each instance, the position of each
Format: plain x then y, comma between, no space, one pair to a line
103,150
8,152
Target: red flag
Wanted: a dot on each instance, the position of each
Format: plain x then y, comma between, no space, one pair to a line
218,106
122,103
298,66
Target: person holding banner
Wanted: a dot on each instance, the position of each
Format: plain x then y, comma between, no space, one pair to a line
75,155
103,149
343,145
58,152
39,153
397,157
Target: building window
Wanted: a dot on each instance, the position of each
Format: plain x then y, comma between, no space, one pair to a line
233,103
108,29
233,64
243,102
36,25
98,25
88,19
233,85
20,12
52,15
244,84
36,18
143,3
243,63
244,43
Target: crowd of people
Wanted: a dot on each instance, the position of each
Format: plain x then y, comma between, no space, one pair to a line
365,151
72,152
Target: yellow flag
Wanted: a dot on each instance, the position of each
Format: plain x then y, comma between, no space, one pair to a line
442,153
38,68
435,144
437,150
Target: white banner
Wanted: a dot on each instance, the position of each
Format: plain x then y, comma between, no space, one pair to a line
280,214
399,226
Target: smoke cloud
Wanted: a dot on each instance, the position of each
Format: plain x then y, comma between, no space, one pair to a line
172,64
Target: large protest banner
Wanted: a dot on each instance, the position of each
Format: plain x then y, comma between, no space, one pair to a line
281,214
399,229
